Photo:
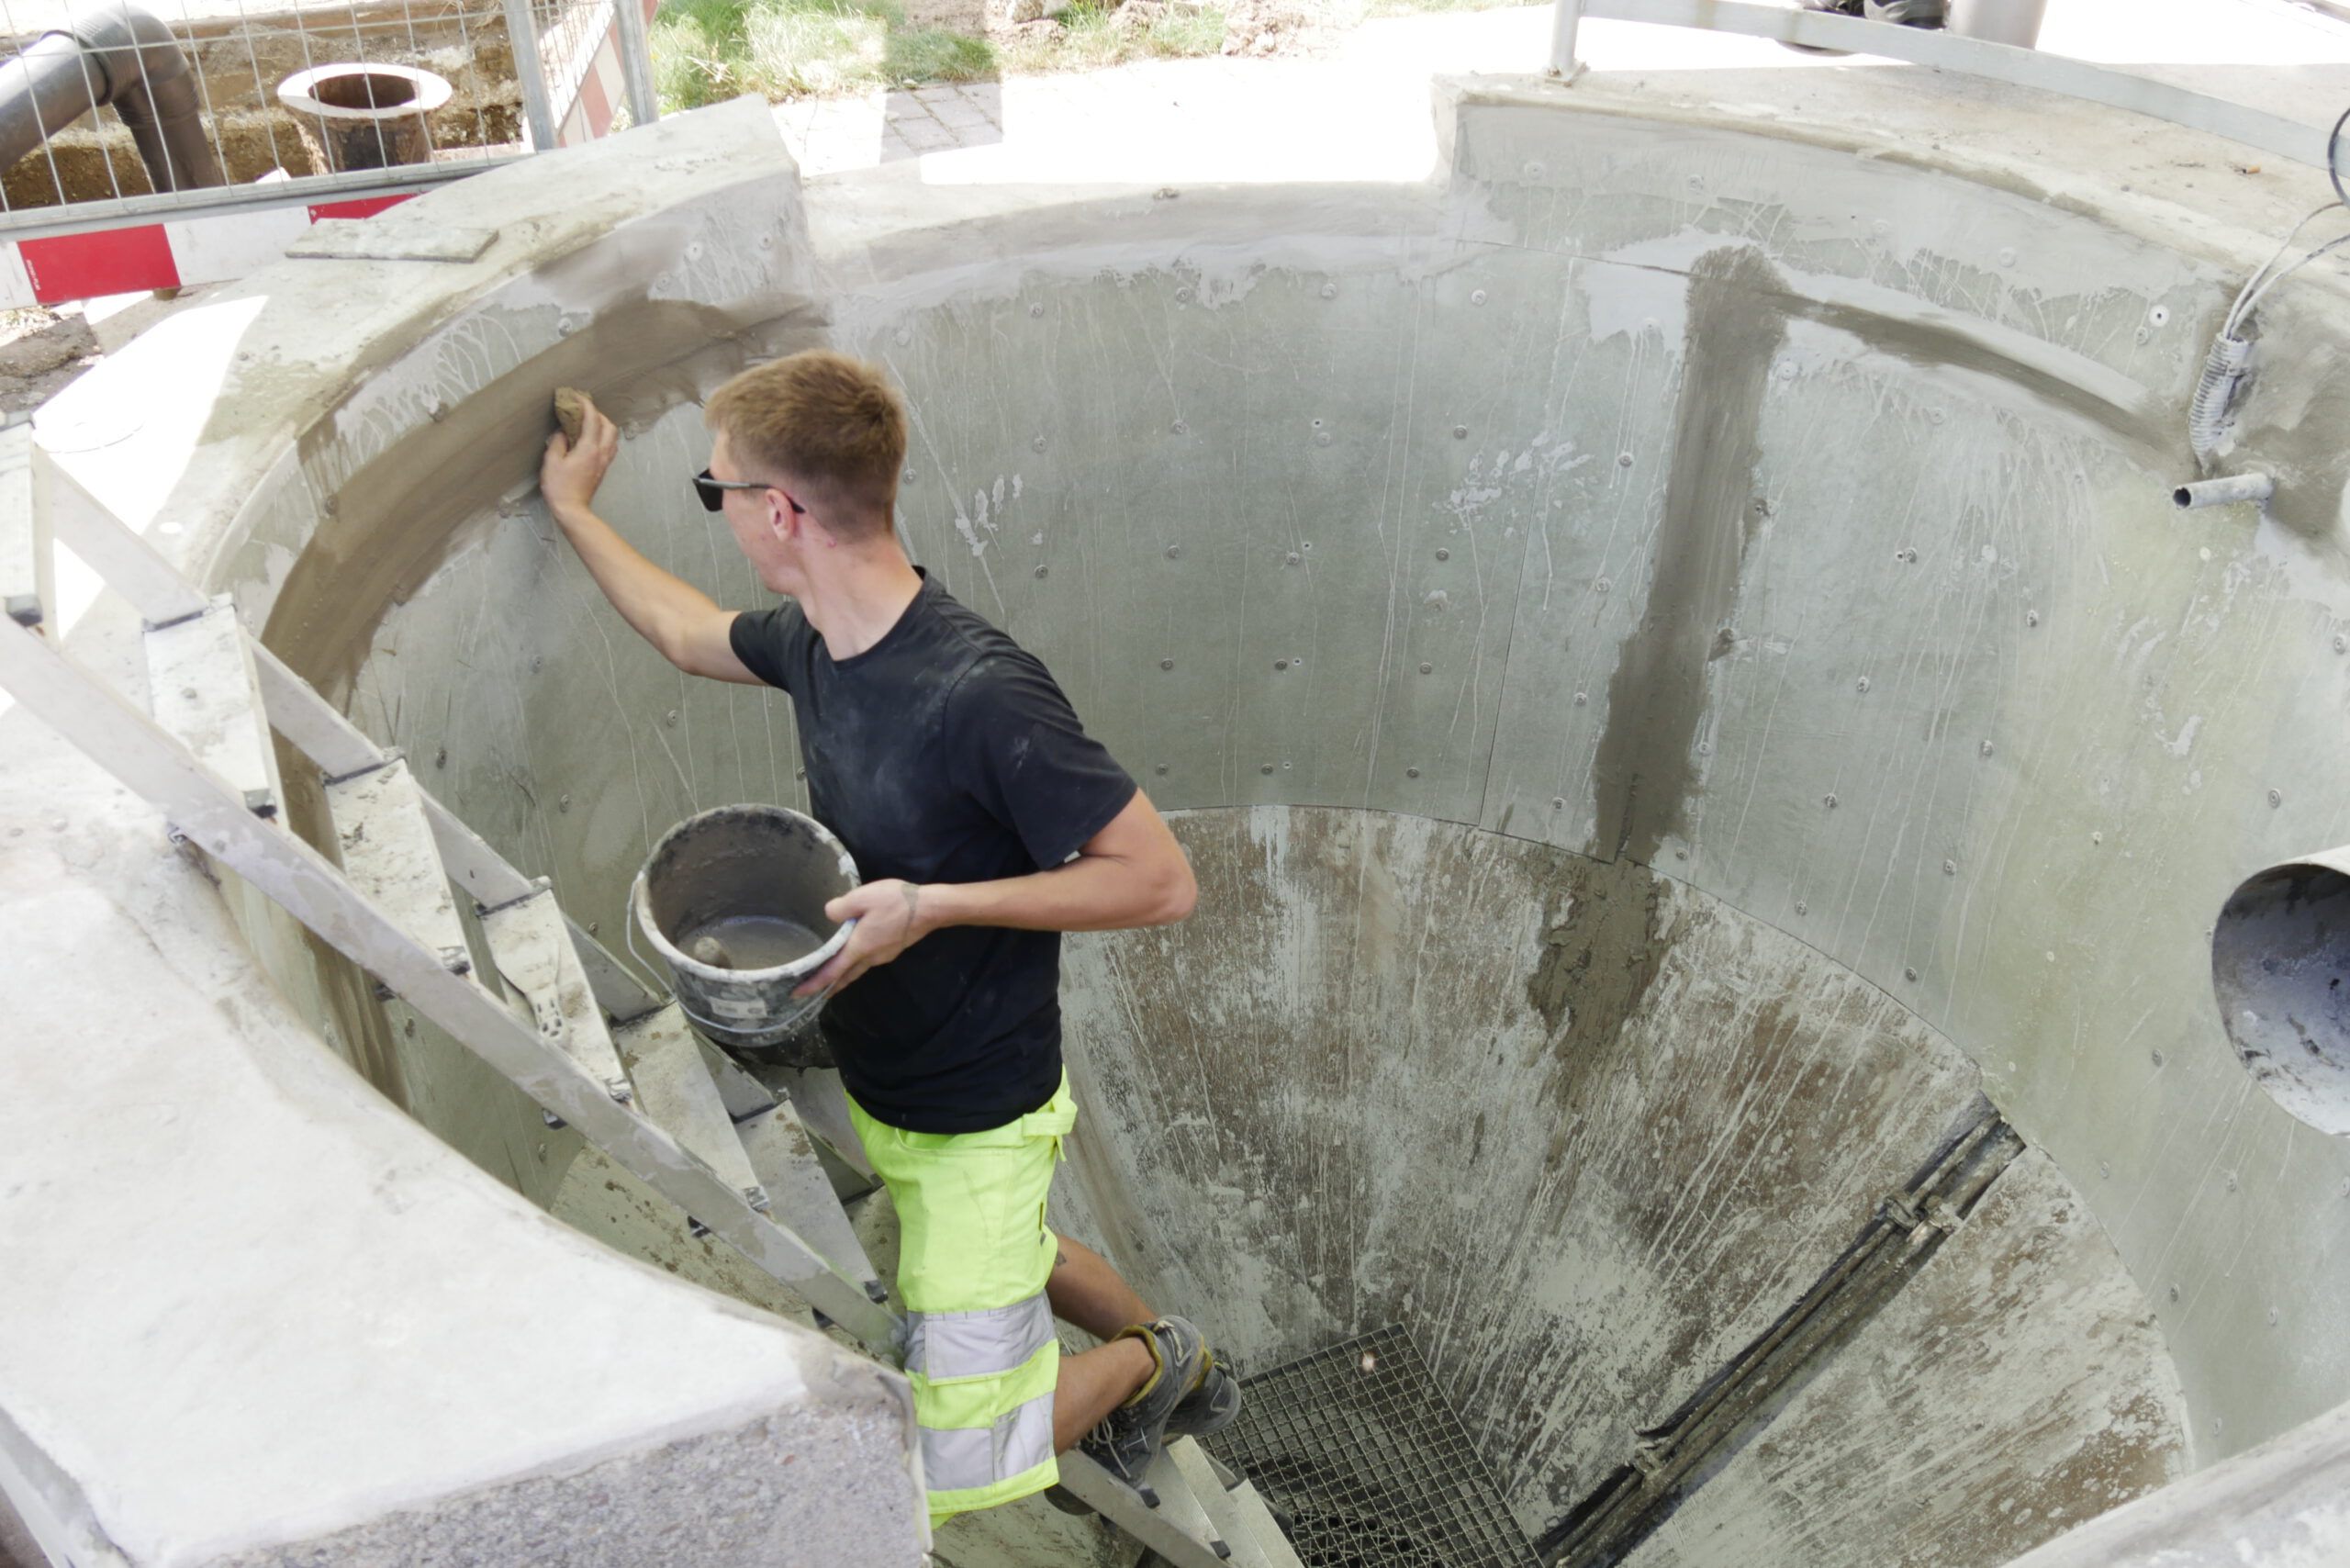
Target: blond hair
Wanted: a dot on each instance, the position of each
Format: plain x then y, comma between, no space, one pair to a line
825,421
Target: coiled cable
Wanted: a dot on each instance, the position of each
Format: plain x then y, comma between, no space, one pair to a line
2229,360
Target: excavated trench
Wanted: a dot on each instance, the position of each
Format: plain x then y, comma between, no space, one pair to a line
1708,759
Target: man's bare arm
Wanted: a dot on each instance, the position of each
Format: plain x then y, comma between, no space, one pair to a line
685,623
1131,873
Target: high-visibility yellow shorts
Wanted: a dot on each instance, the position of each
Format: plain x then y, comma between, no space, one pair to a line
975,1252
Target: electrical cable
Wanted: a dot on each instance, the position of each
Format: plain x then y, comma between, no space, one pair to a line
2257,283
2334,159
2260,282
2229,360
2326,249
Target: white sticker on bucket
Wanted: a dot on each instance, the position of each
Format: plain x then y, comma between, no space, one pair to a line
739,1011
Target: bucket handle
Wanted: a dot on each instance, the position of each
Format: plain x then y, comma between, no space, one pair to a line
808,1004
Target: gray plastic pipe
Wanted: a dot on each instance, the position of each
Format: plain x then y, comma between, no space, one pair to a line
2013,22
114,54
2220,492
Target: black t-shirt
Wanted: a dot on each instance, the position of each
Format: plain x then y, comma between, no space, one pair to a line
944,753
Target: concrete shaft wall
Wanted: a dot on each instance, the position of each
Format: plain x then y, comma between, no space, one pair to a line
1690,604
1760,551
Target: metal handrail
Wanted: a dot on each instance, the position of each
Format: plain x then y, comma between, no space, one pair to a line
1946,50
36,222
540,126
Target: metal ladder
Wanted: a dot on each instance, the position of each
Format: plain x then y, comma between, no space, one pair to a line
549,1009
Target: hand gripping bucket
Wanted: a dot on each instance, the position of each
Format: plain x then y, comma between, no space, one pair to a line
755,881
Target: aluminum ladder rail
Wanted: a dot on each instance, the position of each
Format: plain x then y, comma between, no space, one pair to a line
205,760
595,1046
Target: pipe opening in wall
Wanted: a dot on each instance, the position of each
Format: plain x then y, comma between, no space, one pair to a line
2280,965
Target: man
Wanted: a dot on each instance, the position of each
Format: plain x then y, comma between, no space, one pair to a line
986,822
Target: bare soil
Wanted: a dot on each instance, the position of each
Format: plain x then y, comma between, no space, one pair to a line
40,351
95,159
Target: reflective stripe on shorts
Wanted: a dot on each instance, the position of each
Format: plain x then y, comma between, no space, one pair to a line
979,1344
973,1458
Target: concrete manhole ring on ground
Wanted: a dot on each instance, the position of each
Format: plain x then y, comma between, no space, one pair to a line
368,115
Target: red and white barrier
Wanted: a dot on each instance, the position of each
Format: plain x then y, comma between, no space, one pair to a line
212,248
596,86
216,247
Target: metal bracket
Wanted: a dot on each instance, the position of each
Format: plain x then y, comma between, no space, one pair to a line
538,885
1934,1214
390,756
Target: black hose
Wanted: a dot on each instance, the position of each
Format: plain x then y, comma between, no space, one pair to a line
115,54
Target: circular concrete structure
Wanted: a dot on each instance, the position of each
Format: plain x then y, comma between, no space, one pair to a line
1671,649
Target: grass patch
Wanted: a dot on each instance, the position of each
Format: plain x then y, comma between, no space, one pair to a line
1092,37
1375,8
938,54
705,51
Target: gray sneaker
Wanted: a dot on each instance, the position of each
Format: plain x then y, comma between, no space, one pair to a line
1209,1408
1130,1436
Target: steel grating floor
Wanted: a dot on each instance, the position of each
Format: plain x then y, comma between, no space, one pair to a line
1356,1446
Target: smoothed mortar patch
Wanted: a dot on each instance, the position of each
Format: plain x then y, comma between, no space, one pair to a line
397,517
1645,771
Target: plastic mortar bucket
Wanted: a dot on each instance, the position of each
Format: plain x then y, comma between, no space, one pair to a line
733,902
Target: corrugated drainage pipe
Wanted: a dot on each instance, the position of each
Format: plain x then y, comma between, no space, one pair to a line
114,54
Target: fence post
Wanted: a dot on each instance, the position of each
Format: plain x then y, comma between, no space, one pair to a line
1566,16
636,61
529,75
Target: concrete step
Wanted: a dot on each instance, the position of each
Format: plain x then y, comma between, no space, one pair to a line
202,689
386,849
532,943
674,1090
784,1156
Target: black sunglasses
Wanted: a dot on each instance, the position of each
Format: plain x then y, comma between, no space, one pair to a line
714,491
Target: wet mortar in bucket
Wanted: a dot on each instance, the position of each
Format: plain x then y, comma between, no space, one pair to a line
733,902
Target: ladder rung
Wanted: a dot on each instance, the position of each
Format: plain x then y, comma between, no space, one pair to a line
1190,1462
478,868
532,945
1163,1530
1264,1531
387,852
784,1159
1257,1520
674,1090
744,1096
27,568
201,687
816,1094
1179,1502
